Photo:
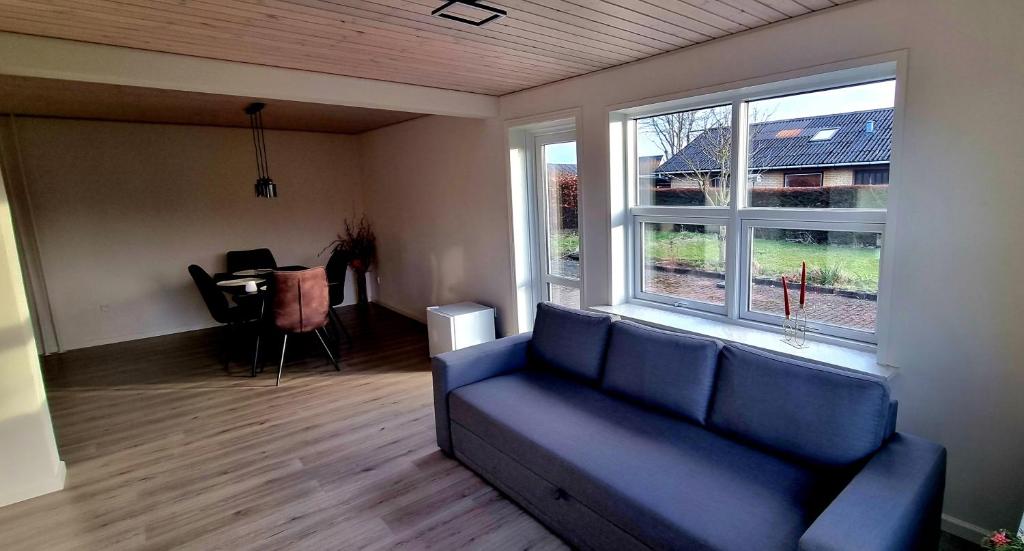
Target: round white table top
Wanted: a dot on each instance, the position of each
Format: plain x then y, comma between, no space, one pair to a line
250,273
240,282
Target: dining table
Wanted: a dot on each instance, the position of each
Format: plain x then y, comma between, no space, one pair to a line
237,285
240,287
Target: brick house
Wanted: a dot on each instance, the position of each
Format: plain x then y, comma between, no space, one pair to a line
842,149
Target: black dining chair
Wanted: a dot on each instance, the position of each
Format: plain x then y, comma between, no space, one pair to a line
337,271
253,259
232,317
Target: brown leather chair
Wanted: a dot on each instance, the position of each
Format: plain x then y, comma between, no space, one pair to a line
301,305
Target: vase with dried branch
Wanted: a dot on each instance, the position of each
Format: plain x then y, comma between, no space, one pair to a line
358,245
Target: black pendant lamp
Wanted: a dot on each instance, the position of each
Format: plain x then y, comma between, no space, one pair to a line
265,187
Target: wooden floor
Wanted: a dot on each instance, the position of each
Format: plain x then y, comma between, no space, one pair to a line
166,450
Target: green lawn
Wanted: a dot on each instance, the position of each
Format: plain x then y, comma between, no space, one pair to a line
843,266
565,243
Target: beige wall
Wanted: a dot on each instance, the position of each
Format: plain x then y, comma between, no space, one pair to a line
956,300
29,465
440,214
121,209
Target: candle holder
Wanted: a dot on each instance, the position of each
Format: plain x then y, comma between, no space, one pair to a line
794,329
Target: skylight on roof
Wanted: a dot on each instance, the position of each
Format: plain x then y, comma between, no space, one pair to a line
825,134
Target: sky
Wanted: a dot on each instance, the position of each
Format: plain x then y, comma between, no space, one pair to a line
560,153
841,100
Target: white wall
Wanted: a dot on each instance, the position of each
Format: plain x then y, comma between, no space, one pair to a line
442,227
957,301
29,465
121,209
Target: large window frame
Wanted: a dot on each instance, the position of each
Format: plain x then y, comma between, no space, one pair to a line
542,276
737,217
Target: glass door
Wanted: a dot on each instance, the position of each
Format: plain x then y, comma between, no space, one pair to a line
558,260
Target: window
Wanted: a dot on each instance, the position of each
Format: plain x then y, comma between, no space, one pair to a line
871,177
682,262
810,179
718,244
842,273
696,146
557,241
825,134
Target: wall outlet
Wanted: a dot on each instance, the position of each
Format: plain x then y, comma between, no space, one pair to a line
104,307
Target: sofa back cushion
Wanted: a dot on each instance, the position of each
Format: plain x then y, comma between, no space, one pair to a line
662,369
813,413
570,341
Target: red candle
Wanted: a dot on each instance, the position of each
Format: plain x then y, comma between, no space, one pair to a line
803,282
785,295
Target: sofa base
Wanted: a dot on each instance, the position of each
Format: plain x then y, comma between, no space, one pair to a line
557,510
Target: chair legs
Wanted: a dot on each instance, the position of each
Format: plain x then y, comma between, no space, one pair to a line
280,367
284,346
327,349
226,348
256,353
336,319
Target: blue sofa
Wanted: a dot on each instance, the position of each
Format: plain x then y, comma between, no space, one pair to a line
620,436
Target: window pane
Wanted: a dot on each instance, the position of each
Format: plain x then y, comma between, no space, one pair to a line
871,177
562,210
683,158
814,150
803,180
842,274
685,261
564,295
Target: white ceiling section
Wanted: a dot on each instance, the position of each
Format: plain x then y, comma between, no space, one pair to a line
540,41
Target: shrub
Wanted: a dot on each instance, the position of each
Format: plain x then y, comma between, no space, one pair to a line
813,197
566,186
829,275
869,197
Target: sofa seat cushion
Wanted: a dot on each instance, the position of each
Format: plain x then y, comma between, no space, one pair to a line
670,483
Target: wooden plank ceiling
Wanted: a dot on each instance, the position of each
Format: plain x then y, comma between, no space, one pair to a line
29,96
540,41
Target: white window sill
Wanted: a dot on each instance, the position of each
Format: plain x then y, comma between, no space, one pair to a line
831,355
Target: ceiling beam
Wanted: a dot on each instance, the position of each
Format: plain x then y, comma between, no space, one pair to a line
33,56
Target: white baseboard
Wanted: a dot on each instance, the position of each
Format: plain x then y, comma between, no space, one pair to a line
964,529
36,489
140,335
62,476
422,317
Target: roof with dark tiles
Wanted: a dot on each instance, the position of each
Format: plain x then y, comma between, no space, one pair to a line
789,144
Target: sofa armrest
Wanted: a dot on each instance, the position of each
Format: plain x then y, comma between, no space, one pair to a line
894,502
452,370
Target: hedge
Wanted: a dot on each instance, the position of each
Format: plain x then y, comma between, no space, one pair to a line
816,197
786,197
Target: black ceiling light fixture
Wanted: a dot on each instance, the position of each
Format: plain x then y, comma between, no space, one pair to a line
469,12
265,187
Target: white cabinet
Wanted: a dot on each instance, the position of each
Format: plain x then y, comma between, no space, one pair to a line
456,326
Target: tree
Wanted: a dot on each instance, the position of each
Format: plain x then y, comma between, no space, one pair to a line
710,130
673,131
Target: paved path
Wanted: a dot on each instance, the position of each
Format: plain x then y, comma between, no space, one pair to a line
827,308
854,313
